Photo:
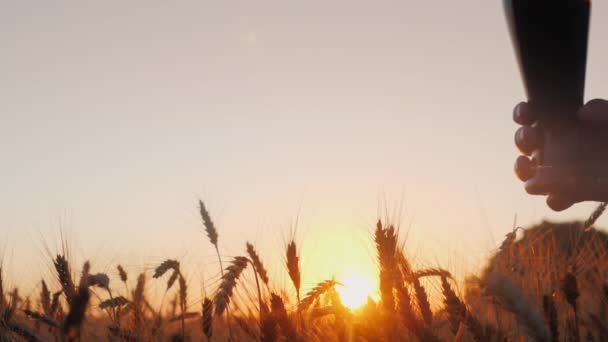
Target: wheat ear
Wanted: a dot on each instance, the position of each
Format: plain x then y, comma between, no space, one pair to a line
257,263
233,272
293,267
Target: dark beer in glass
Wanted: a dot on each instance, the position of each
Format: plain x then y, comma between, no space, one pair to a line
550,41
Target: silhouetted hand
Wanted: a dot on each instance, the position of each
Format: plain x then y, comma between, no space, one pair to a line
592,139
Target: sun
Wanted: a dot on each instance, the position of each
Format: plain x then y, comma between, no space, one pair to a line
355,290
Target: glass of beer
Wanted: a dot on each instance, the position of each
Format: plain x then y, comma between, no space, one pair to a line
550,41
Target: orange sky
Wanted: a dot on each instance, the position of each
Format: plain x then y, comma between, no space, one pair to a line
117,117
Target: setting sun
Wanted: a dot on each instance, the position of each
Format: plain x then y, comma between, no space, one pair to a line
355,290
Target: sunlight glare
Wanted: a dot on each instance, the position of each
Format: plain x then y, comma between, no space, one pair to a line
355,290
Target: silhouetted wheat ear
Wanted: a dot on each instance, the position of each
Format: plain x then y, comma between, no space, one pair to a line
550,313
386,245
65,277
208,223
569,287
50,321
423,302
113,302
257,263
231,275
122,273
293,266
208,317
278,311
84,275
23,331
183,292
454,306
78,306
316,292
45,299
512,299
138,298
165,266
138,293
100,280
404,267
172,279
404,303
55,303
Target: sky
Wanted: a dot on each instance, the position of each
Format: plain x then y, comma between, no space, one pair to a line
313,118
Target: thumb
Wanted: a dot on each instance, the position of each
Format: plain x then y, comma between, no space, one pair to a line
558,203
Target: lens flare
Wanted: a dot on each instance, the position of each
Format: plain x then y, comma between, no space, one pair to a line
355,290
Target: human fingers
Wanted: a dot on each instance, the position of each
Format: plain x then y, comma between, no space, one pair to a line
527,139
559,203
524,115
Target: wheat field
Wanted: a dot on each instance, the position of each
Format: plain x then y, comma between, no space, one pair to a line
544,283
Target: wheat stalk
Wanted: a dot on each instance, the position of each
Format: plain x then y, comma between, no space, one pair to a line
183,302
599,210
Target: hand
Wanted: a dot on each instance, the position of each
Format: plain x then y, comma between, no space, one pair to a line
591,132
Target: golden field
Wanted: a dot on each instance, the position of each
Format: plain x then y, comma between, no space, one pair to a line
545,283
